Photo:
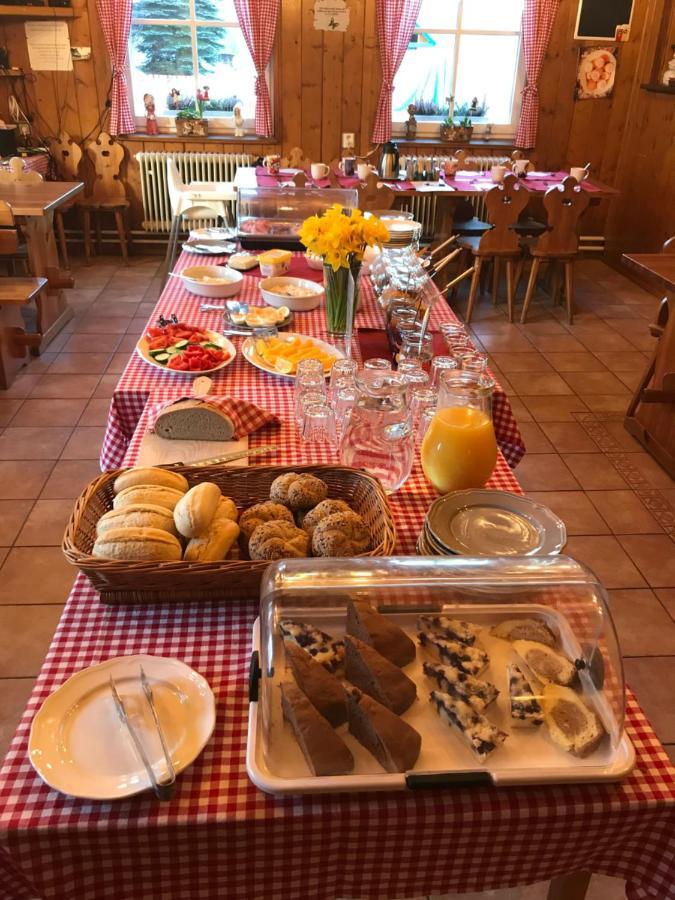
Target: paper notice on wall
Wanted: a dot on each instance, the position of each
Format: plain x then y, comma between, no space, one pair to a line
331,15
48,46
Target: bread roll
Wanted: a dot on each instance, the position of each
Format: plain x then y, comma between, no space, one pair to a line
150,475
195,510
138,544
226,509
142,494
138,515
214,543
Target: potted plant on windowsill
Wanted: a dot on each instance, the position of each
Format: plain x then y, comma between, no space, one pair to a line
191,121
456,132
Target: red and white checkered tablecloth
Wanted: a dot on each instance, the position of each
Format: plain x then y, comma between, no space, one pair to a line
139,380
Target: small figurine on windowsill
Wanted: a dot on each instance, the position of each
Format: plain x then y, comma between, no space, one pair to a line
174,99
238,122
669,75
411,124
150,117
203,93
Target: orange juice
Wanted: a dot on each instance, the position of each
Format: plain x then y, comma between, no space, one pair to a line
459,450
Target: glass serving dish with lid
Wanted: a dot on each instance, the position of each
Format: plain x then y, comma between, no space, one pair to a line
560,593
271,216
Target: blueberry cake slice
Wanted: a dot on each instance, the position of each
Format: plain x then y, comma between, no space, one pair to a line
449,629
481,735
526,709
473,691
471,660
321,646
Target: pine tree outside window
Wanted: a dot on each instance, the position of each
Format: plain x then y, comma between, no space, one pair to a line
187,46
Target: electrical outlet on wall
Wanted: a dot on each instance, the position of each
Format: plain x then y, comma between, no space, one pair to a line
348,140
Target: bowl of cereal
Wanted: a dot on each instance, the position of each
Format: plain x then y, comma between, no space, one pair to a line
298,294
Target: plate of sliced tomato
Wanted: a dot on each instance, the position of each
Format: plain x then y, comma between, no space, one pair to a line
185,349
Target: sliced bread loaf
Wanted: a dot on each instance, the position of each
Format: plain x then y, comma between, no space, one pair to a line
377,677
571,724
194,420
379,632
322,689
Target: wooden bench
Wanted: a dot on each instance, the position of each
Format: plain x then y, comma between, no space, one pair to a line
15,341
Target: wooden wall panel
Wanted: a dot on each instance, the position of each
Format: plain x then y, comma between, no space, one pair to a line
328,83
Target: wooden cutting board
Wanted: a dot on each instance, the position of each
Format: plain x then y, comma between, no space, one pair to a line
156,450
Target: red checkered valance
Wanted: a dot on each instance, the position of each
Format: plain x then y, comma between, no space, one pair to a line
538,18
258,21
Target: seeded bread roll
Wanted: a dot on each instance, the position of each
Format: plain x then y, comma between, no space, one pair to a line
214,543
154,494
278,540
326,508
342,534
194,512
258,515
150,475
298,491
394,744
226,509
138,515
379,632
138,544
322,689
324,750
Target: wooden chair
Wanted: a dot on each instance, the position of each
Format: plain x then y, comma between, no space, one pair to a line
67,156
374,195
503,204
15,341
17,174
295,160
559,245
107,194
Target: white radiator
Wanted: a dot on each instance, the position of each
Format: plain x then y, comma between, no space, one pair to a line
424,205
192,167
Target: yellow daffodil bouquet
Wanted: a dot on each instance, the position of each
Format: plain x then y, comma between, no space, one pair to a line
340,237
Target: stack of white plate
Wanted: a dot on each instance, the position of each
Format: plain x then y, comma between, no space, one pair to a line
490,523
402,232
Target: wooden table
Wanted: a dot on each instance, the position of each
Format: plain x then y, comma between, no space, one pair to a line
651,414
35,205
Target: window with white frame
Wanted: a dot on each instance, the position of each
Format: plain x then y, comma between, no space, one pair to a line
184,50
469,50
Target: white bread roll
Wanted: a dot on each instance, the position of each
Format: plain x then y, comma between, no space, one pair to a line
195,510
194,420
150,475
214,543
226,509
148,493
138,545
138,515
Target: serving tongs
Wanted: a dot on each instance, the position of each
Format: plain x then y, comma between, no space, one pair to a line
163,790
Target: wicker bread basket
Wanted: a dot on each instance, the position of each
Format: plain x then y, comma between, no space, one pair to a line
122,582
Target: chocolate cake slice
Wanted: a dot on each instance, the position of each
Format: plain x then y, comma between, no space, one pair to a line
394,744
379,632
325,751
377,677
322,689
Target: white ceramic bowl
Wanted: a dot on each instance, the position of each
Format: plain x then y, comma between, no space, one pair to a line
314,261
190,278
269,289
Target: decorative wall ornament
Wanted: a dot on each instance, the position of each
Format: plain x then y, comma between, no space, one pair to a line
596,73
331,15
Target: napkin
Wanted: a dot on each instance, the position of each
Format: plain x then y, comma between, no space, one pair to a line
246,417
373,342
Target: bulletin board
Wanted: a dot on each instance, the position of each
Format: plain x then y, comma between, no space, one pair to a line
599,19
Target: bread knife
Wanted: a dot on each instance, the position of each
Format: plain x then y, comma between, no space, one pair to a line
230,457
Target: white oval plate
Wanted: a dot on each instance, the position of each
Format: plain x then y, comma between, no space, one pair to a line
79,746
249,352
209,247
221,340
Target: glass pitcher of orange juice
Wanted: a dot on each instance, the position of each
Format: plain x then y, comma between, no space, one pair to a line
459,449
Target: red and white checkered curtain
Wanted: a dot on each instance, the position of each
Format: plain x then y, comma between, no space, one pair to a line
115,16
538,17
258,21
395,23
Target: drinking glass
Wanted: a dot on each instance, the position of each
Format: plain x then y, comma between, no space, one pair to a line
377,364
423,421
343,403
440,364
421,398
318,426
419,349
408,365
307,385
342,369
452,330
309,367
473,362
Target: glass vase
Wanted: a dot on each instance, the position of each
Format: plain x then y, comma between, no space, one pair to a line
339,317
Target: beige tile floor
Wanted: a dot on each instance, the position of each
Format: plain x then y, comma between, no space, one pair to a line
52,421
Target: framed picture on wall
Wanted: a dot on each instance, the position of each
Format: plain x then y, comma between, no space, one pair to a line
596,73
603,20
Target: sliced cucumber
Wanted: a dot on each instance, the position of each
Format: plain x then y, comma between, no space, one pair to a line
211,345
156,352
162,357
181,345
